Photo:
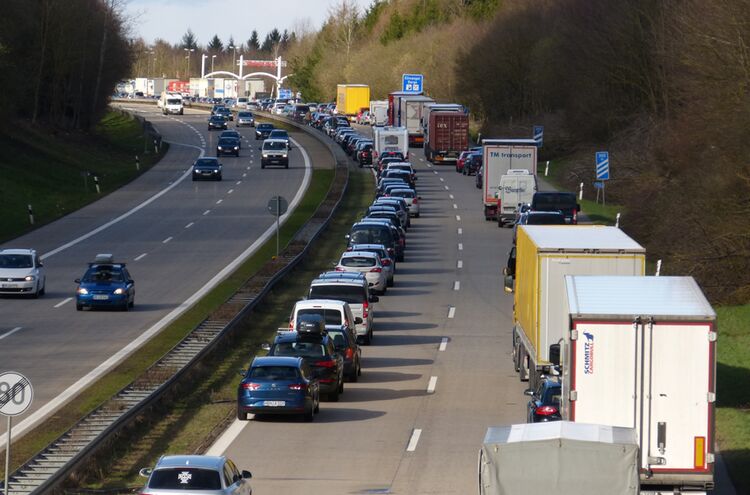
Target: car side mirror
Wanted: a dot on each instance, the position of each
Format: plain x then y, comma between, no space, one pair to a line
347,237
78,280
374,298
357,320
507,282
528,392
131,281
246,474
145,472
265,346
554,354
242,372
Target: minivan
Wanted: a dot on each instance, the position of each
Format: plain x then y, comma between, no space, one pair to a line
557,201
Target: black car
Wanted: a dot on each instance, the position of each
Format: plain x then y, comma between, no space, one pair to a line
216,122
544,405
472,163
530,217
557,201
345,342
312,342
207,168
364,153
263,130
376,233
228,146
225,113
232,134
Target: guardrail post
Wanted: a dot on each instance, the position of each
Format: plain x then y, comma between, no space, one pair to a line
137,163
31,214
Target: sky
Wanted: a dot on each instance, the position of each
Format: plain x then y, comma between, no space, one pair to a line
170,19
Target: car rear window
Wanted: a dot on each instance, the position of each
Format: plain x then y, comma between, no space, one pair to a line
358,261
353,294
403,194
372,235
299,349
553,201
185,478
330,316
545,220
272,373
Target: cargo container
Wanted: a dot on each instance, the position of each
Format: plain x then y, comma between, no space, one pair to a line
559,458
448,136
536,271
427,108
640,352
351,98
501,155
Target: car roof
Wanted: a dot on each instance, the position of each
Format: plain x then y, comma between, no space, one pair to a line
293,336
318,303
274,140
199,461
290,361
353,281
364,254
17,251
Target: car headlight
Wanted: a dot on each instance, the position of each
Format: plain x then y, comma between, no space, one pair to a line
119,291
218,147
265,155
29,278
236,148
216,170
82,291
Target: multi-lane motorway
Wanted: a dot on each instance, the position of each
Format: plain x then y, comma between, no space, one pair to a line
175,235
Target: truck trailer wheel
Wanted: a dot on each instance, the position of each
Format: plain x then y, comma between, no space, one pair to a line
524,365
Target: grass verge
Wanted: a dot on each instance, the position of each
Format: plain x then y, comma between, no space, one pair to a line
132,367
53,171
190,423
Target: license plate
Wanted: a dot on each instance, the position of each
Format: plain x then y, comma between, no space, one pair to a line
8,286
274,403
100,297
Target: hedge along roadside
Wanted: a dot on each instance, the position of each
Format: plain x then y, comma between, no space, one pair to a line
294,251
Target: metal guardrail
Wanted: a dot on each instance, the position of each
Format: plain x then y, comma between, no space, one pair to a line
61,458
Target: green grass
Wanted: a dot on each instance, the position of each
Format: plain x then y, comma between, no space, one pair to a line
733,392
599,213
53,170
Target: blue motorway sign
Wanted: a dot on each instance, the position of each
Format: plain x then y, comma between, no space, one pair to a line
539,135
602,165
412,83
285,94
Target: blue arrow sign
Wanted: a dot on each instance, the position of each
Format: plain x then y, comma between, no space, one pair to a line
539,135
412,83
602,165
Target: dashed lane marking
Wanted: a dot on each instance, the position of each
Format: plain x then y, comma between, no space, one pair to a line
443,344
431,385
140,257
452,312
414,440
8,334
64,301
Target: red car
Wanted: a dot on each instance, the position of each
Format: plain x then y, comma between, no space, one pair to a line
462,158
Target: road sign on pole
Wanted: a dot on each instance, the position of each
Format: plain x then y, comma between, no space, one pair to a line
277,206
16,395
539,135
285,94
602,165
412,83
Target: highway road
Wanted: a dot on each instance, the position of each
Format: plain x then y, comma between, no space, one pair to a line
437,375
175,235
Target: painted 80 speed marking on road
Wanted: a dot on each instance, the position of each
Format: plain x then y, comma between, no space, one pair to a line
16,393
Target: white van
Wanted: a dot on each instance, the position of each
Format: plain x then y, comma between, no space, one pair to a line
170,103
332,311
516,187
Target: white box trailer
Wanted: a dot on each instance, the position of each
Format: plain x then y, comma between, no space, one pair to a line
410,116
640,352
559,458
391,139
379,112
501,155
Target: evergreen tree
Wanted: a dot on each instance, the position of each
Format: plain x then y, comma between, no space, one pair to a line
253,43
215,45
189,40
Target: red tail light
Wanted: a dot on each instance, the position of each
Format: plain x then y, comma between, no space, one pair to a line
546,410
575,216
298,386
330,363
386,262
365,309
401,242
349,353
340,269
414,201
326,380
377,269
251,386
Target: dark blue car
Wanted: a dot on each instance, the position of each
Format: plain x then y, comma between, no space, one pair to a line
278,385
105,284
545,402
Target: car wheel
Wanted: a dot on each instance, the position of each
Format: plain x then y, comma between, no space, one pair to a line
310,413
79,307
43,290
286,166
416,215
125,306
132,303
390,282
219,177
262,166
359,367
241,415
334,396
341,385
317,403
400,257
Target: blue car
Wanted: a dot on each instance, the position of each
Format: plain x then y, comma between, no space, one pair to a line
105,284
278,385
544,405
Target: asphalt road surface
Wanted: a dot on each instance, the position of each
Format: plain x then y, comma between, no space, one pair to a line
173,245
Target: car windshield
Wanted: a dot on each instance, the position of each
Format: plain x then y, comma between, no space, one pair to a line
279,134
106,274
16,261
227,141
173,101
352,294
358,261
330,316
299,349
185,478
217,118
265,127
206,163
244,114
273,373
274,145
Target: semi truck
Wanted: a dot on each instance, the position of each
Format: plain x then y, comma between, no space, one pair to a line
351,98
394,102
379,112
447,136
535,273
501,155
559,458
409,114
640,352
170,103
390,139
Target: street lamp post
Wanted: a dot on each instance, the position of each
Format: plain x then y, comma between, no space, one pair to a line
213,57
234,55
189,51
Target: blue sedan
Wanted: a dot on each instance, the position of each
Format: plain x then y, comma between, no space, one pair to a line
278,385
544,405
105,284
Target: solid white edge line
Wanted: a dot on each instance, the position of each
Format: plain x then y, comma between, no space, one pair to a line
452,312
69,393
456,285
443,344
227,438
140,257
414,440
460,264
431,385
11,332
64,301
129,212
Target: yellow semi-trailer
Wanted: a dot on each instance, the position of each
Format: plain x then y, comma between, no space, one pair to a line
544,254
351,98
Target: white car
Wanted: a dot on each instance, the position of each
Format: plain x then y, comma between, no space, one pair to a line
367,263
411,198
22,273
334,312
389,264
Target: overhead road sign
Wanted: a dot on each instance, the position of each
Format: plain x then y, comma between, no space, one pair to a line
412,83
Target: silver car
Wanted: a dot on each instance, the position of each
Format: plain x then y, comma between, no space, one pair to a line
389,264
197,475
368,263
22,273
411,198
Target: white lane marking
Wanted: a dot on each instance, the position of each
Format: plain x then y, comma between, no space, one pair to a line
64,301
230,191
451,196
140,257
66,395
243,175
447,188
413,155
227,438
460,264
455,206
452,312
166,240
422,159
248,168
460,231
189,225
206,212
8,334
456,285
127,213
443,344
460,246
414,440
218,202
429,164
431,385
442,180
238,182
458,218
